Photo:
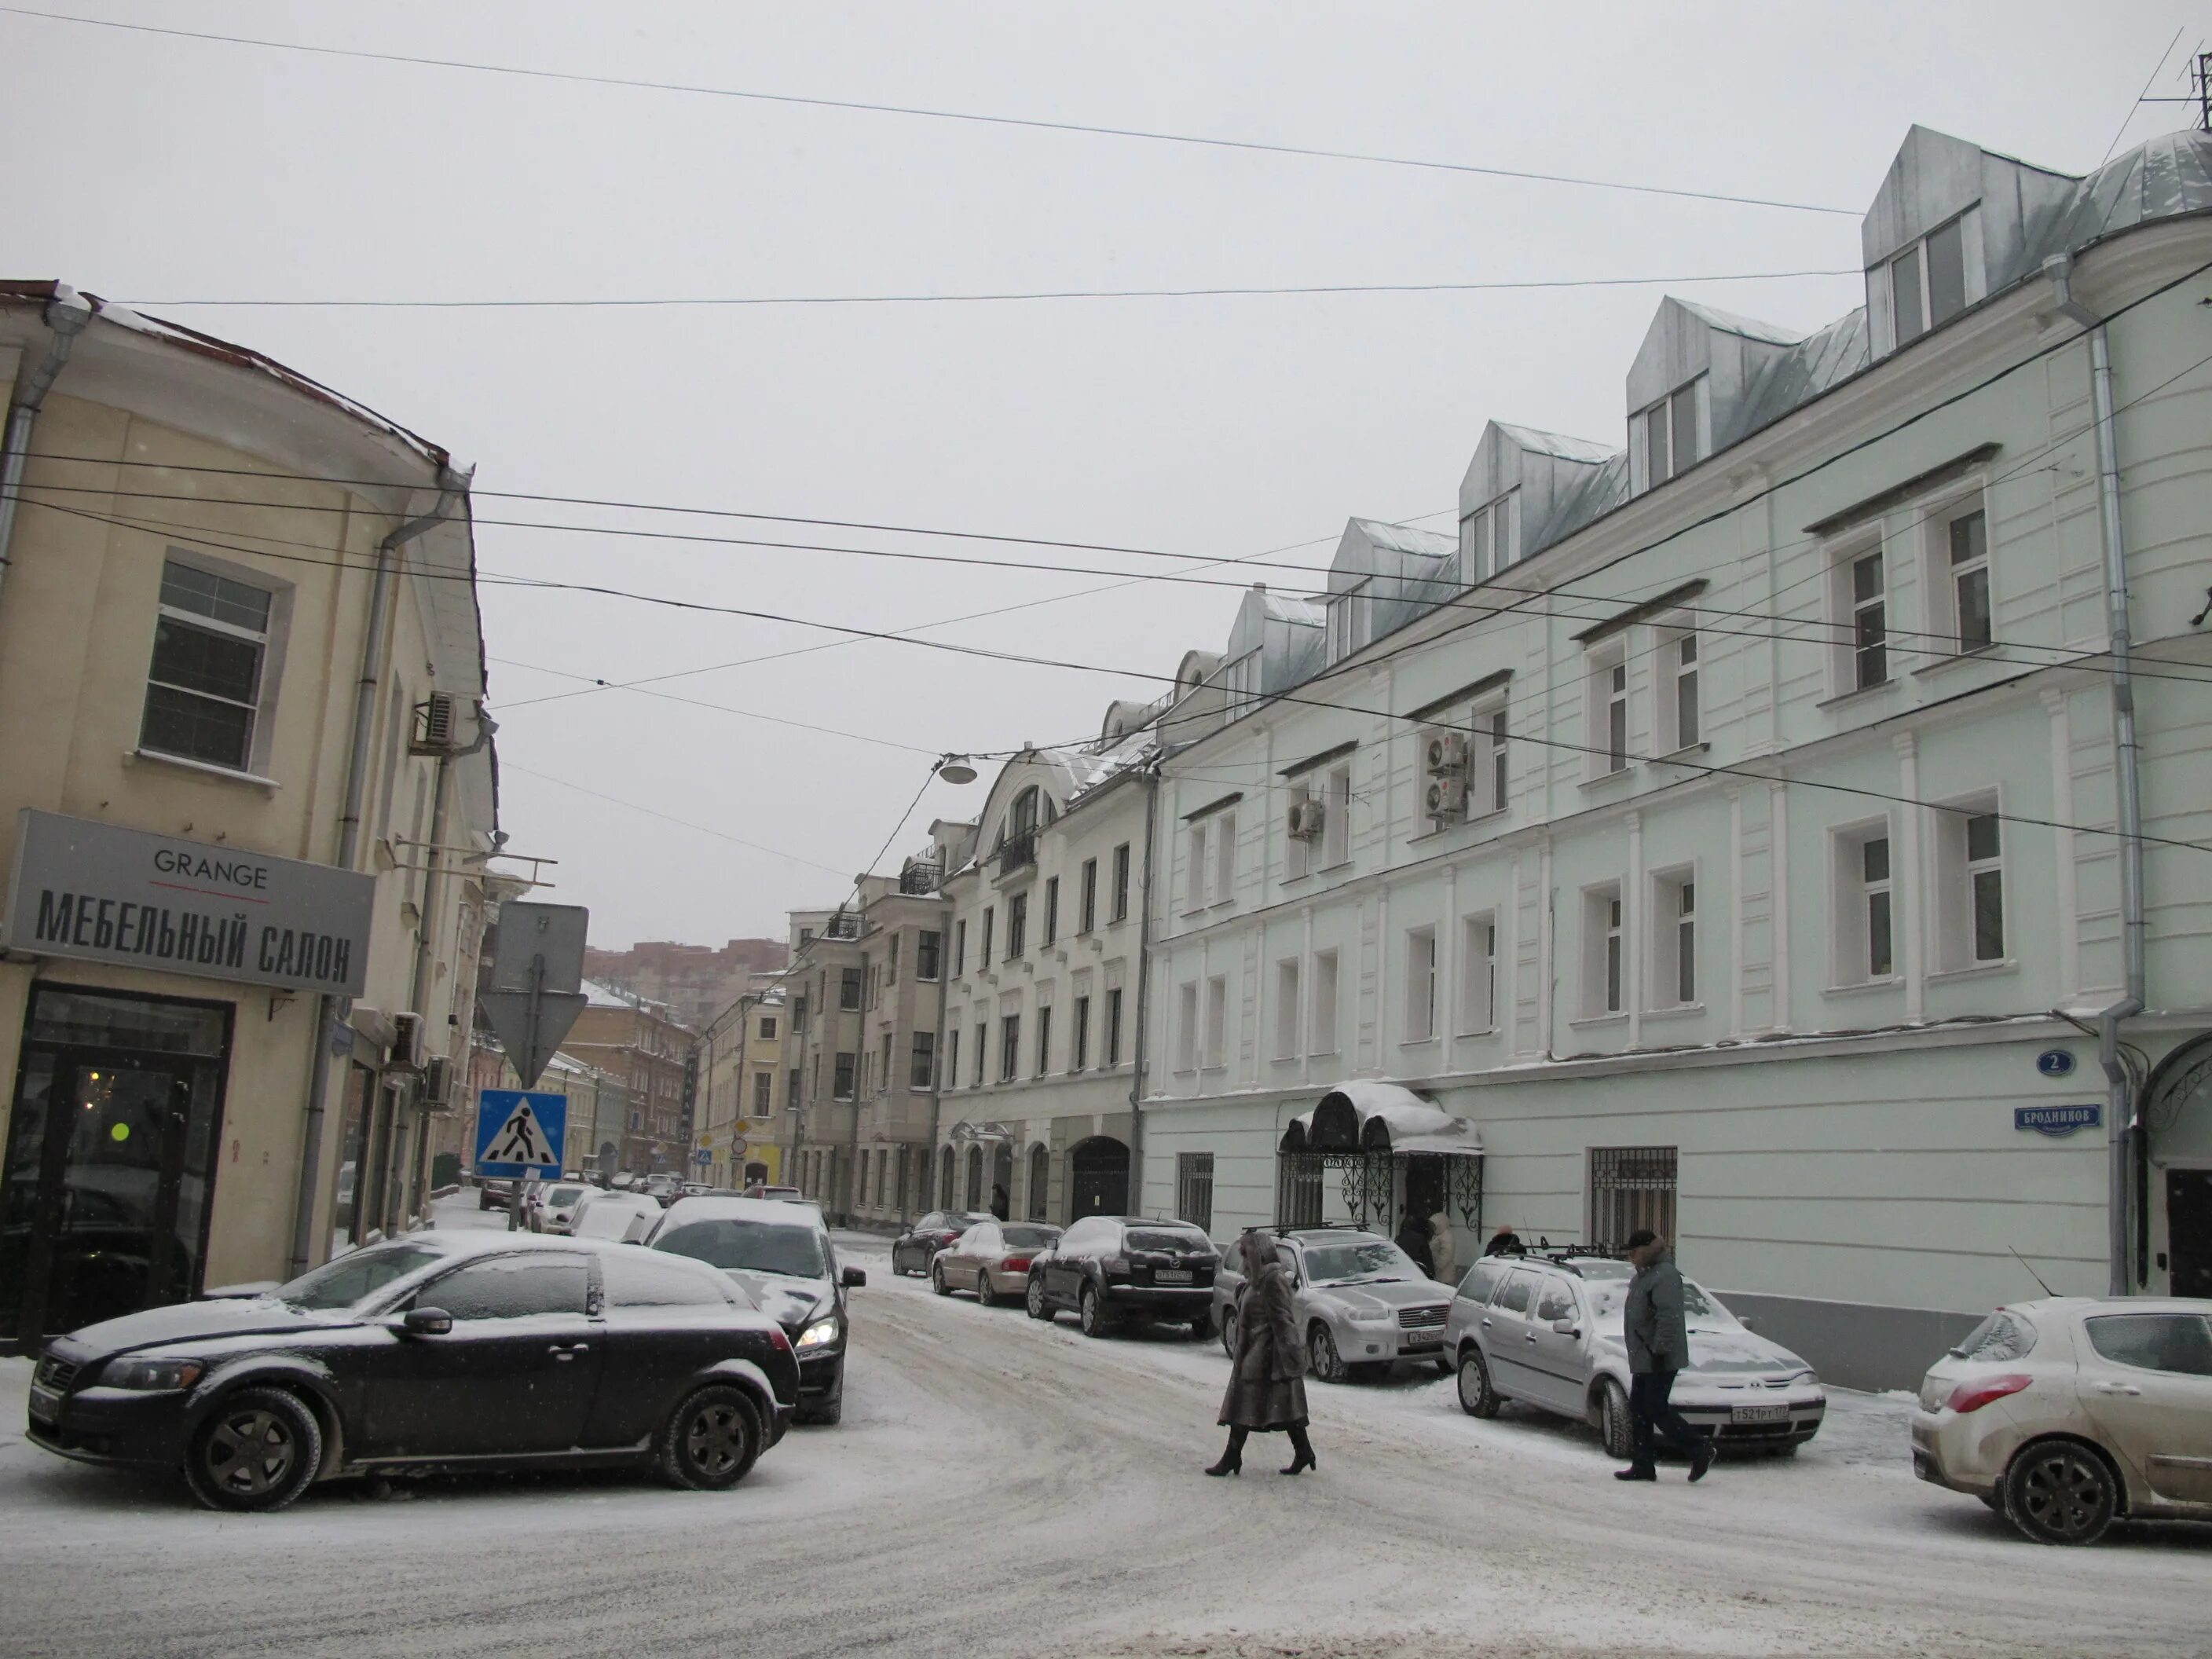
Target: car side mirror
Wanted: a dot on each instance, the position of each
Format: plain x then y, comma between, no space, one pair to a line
1748,1325
427,1321
1566,1328
852,1278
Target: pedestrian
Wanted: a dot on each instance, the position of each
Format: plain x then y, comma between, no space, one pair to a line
1413,1239
1658,1347
1503,1241
1443,1250
1001,1206
1267,1375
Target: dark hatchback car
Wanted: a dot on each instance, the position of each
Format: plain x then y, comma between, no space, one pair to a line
437,1352
1107,1268
780,1255
913,1250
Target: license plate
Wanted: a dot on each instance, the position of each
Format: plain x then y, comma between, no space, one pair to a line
46,1405
1760,1414
1429,1341
1172,1276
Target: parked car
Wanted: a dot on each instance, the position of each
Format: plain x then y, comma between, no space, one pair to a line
1107,1268
495,1194
1546,1331
913,1250
666,1187
992,1259
781,1254
775,1191
442,1349
620,1216
553,1209
621,1181
2067,1413
1361,1302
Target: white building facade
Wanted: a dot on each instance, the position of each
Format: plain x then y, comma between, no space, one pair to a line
1726,834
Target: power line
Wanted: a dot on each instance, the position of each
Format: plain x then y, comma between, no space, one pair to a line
2140,96
719,708
1029,123
721,301
507,765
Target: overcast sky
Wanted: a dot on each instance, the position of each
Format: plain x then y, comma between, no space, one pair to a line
151,168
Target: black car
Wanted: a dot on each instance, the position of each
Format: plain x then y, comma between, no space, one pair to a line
913,1250
781,1253
1106,1267
438,1350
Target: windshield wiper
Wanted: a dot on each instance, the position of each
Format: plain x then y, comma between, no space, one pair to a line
1366,1278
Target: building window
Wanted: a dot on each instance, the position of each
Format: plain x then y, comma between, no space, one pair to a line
983,951
1009,1047
959,948
1051,909
927,948
1336,819
1351,618
1420,1023
1224,858
982,1048
798,1013
1865,948
1928,282
841,1086
1301,827
1478,984
1488,783
1608,712
1217,1023
1677,702
1186,1050
1040,1181
891,970
848,989
1490,538
1674,939
1966,545
1017,925
767,1029
1194,873
1866,602
1287,1010
923,1072
1090,893
1298,1192
1240,683
1194,1189
204,688
884,1066
791,1086
763,1094
1673,433
1079,1053
1044,1041
1321,1030
1121,883
1969,887
952,1057
1602,987
1114,1027
1631,1187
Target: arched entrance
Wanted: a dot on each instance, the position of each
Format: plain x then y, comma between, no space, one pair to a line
755,1175
1097,1178
2176,1120
1002,1172
975,1177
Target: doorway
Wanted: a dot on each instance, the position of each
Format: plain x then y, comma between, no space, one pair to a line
1097,1178
2189,1232
109,1158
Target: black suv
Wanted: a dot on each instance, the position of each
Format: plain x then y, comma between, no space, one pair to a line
1107,1267
913,1250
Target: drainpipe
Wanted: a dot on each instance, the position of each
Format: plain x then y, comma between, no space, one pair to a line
1144,988
2121,1110
66,314
936,1072
332,1010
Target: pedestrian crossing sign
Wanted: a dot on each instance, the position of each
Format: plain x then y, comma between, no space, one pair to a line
519,1133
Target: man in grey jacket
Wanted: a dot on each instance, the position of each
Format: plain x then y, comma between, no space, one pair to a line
1658,1346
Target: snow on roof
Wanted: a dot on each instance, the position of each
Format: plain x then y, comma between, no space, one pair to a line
1558,443
1729,323
1413,1124
1280,607
1404,539
604,995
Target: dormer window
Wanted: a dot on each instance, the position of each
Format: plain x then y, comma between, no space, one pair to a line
1928,281
1350,620
1671,435
1240,683
1490,538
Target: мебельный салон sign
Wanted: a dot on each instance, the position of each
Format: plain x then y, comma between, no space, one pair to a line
99,892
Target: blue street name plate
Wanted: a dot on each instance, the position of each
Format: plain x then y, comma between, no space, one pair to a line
521,1134
2057,1119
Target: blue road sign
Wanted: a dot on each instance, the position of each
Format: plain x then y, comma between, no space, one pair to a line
2057,1119
702,1157
521,1134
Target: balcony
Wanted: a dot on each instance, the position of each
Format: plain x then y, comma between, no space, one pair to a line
1017,854
919,877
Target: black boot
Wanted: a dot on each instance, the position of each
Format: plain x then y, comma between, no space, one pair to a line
1303,1450
1232,1457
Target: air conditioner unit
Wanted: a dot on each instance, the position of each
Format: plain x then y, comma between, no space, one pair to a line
438,1083
1446,796
409,1042
1305,820
438,729
1443,752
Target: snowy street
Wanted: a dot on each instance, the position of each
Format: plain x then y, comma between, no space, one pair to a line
998,1488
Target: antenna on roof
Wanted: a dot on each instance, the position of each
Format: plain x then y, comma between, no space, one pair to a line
2203,76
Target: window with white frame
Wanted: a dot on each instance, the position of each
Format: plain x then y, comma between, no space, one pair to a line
1214,1050
1929,281
1863,613
1487,791
1350,619
1490,538
1240,683
1478,980
1078,1046
1865,906
1009,1047
1604,952
1970,886
983,1047
1680,716
205,688
1193,874
1298,848
1962,587
1607,696
1186,1048
1287,1008
1420,1014
1674,939
1224,858
1044,1040
1322,1030
1671,435
1336,818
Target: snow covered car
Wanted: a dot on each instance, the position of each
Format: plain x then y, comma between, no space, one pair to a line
2064,1412
1546,1330
442,1349
913,1250
621,1216
554,1210
992,1259
1363,1301
1110,1267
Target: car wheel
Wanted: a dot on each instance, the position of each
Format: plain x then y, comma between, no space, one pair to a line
1202,1327
1476,1397
259,1450
1035,1301
1615,1424
984,1294
2058,1492
1328,1364
710,1440
1228,1323
1091,1315
937,1279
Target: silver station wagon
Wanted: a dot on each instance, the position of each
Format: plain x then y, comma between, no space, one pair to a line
1546,1330
1363,1301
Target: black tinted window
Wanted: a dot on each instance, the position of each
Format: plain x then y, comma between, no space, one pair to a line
341,1283
766,1246
641,1278
2155,1341
1167,1238
1029,1238
511,1287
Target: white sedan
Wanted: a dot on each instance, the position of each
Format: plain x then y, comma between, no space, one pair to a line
2063,1413
626,1216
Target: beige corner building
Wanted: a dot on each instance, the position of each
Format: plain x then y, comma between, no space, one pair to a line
742,1089
244,798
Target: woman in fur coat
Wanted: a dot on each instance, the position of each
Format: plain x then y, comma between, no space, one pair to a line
1266,1385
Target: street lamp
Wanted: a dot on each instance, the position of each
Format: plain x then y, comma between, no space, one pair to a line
955,769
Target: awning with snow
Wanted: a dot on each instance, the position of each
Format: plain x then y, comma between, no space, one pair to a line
1365,1115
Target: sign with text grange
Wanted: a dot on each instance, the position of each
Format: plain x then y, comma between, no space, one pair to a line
99,892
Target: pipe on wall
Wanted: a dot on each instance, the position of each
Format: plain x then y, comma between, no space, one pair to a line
66,315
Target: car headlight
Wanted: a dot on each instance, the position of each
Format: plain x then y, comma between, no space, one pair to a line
1382,1317
820,1334
152,1375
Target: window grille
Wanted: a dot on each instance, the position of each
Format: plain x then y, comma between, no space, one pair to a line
1631,1186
